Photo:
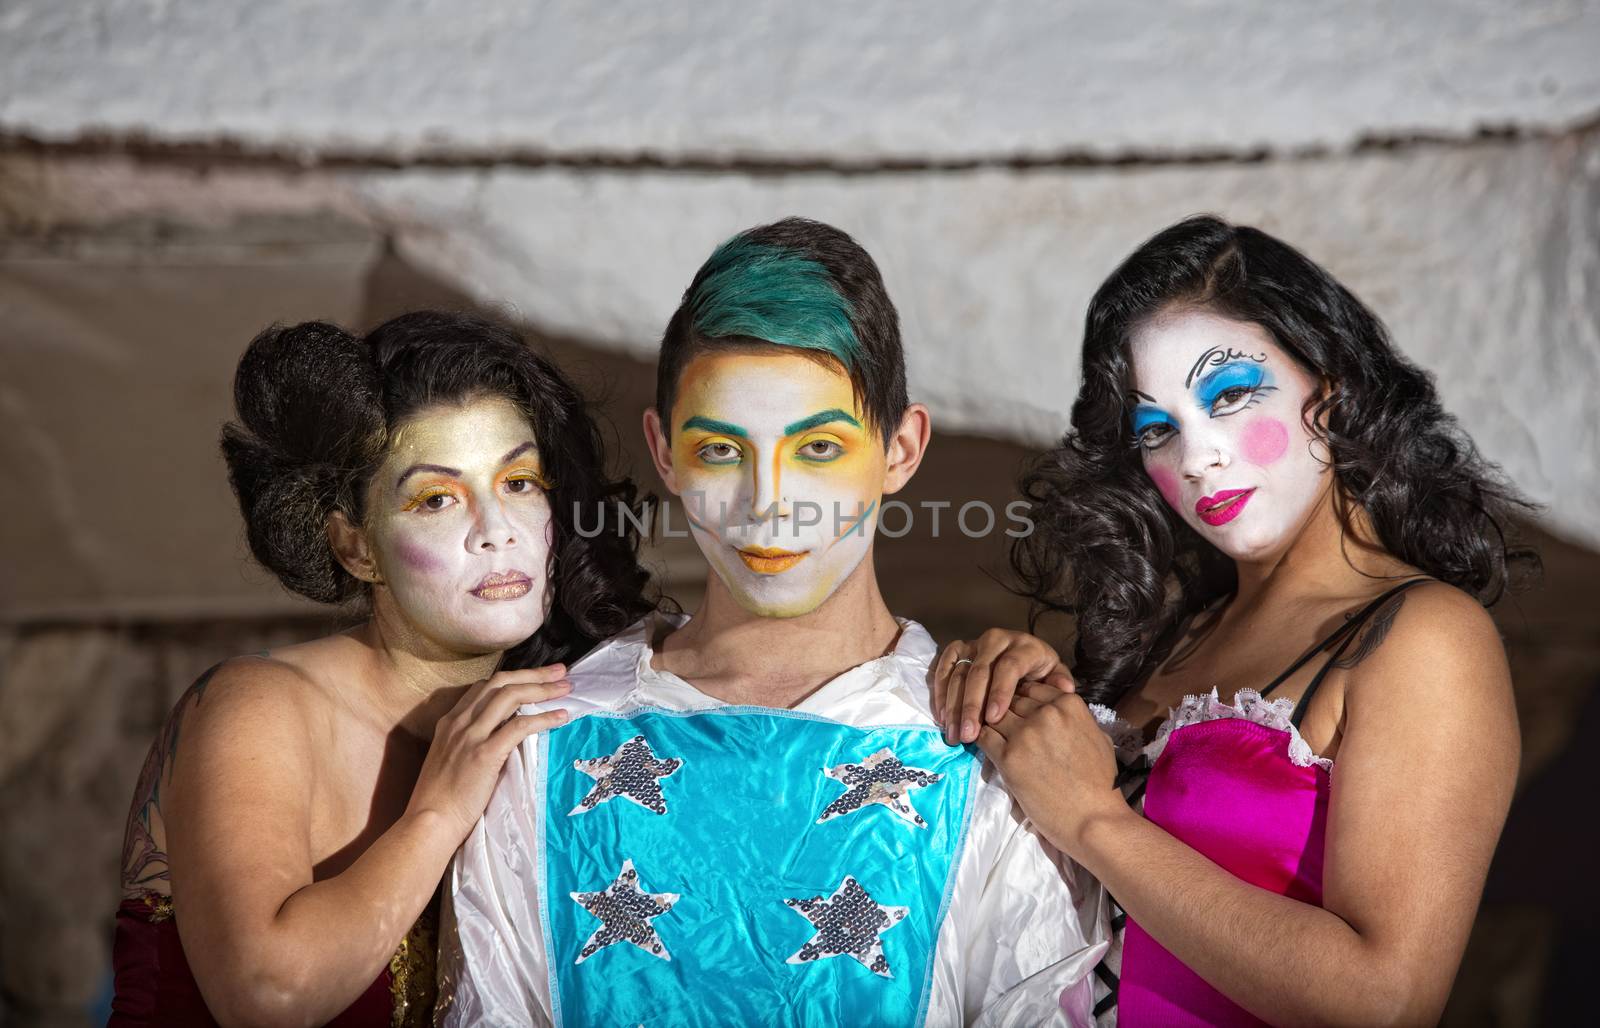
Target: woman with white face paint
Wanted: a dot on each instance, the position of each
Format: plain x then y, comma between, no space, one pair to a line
284,849
1278,550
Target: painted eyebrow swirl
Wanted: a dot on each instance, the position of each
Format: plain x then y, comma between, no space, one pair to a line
1218,356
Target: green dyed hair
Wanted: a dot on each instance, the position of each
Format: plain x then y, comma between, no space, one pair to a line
795,283
779,296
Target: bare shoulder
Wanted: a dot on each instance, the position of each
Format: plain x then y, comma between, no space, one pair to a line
224,720
257,693
247,711
1433,655
1431,625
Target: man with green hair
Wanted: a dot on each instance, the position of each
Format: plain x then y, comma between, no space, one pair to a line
753,817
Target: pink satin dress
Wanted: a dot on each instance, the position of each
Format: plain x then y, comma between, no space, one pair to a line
1228,789
1239,785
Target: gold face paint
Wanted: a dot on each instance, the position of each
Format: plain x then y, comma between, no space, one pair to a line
780,474
460,525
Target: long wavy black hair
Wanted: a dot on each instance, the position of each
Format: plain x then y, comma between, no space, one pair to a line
319,406
1109,551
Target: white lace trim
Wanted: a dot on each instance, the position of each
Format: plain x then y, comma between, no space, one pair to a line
1248,705
1125,738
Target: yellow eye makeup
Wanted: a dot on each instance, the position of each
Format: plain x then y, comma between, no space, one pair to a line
426,495
820,450
730,455
533,475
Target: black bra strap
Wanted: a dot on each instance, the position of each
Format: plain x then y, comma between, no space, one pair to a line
1351,630
1301,661
1341,633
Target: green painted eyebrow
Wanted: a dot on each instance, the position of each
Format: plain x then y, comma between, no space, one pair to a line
713,425
820,418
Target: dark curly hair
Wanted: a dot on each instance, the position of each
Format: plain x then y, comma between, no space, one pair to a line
318,406
1109,551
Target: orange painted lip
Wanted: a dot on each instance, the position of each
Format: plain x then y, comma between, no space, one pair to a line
764,561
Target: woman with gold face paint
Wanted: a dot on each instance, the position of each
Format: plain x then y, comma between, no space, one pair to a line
1278,550
284,848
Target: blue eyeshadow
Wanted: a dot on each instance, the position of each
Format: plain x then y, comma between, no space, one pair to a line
1238,375
1144,416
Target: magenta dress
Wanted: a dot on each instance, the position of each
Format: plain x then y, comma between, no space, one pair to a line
1239,785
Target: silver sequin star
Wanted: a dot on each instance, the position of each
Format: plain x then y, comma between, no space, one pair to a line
625,912
848,923
881,778
632,772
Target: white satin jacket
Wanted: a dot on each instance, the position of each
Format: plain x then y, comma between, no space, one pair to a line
1025,925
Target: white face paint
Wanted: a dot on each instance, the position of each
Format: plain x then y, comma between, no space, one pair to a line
460,526
780,474
1217,414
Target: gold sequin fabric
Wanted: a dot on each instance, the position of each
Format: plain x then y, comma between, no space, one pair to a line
411,972
160,907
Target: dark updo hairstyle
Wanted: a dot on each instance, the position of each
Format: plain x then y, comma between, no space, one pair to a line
1107,548
318,407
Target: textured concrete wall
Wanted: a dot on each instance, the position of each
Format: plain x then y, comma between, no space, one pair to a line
117,354
830,81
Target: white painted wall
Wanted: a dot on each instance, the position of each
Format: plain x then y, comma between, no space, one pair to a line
828,80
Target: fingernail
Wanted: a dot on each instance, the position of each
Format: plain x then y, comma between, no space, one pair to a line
994,712
969,727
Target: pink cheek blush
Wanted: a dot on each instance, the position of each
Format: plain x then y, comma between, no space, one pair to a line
1265,441
1166,483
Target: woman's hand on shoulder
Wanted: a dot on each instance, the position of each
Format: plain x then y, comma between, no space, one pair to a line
472,742
1056,761
973,682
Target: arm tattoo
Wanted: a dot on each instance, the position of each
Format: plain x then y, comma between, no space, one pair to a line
1374,634
144,863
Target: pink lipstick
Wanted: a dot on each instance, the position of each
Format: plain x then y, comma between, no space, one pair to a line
1223,507
503,585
